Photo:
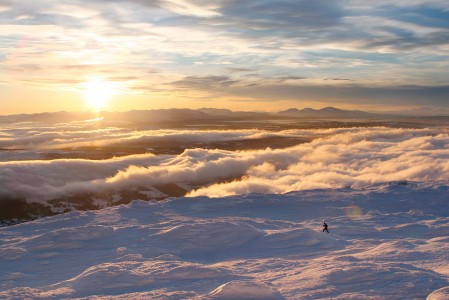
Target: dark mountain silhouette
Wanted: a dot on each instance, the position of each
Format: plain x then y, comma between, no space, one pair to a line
207,116
49,117
327,112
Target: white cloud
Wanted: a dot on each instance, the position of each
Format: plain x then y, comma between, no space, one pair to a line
24,17
185,7
348,159
354,157
64,136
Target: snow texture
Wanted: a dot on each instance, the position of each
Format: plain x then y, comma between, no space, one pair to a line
388,241
245,290
440,294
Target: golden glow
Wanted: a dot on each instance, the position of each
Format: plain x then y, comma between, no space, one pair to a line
97,93
354,212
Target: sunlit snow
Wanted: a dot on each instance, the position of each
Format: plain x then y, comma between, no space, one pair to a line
388,241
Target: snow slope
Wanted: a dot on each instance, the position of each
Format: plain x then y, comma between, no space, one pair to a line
388,241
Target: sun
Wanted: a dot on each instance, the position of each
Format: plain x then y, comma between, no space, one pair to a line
97,93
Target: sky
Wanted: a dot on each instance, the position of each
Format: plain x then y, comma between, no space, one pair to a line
268,55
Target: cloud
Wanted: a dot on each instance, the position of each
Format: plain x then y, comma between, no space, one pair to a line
194,8
338,158
299,88
354,159
197,44
205,83
337,79
89,134
189,8
361,4
272,15
355,94
238,70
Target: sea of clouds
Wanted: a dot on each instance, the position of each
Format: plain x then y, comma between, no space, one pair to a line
76,135
335,158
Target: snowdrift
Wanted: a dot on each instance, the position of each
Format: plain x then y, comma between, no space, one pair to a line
387,241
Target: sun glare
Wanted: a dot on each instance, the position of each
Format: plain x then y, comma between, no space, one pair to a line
98,92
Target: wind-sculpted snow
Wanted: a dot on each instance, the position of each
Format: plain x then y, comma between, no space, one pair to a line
387,241
347,157
129,275
212,237
440,294
245,290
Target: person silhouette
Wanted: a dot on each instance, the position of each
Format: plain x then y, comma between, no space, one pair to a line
325,227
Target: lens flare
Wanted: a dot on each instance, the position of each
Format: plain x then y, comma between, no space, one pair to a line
353,212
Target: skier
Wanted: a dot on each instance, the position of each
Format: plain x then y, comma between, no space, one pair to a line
325,227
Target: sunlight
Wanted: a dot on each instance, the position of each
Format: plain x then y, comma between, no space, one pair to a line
98,92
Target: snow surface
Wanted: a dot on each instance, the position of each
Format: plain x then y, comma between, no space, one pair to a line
389,241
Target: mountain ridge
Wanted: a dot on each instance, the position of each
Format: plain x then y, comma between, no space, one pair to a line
187,114
327,112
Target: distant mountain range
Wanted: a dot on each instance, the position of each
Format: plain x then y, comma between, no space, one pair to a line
186,116
135,116
326,113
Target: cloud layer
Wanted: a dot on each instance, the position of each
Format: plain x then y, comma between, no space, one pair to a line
90,133
354,157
